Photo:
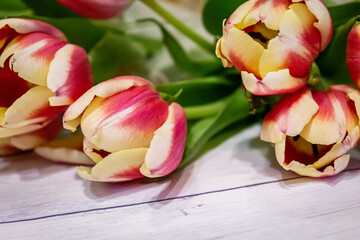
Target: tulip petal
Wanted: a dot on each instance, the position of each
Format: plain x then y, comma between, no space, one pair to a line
24,26
241,50
353,54
226,63
269,12
296,46
351,140
8,132
12,87
125,120
30,55
31,108
298,156
280,82
336,112
96,9
66,150
238,16
93,152
339,165
116,167
354,95
324,22
289,116
69,75
105,89
167,146
6,148
38,137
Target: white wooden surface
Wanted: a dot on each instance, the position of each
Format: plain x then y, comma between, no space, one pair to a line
235,190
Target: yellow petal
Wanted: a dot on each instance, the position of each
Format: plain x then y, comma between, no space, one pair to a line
116,167
241,50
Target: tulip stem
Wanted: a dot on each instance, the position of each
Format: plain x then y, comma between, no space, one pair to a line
179,25
205,110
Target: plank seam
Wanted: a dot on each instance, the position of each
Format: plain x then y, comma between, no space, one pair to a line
155,201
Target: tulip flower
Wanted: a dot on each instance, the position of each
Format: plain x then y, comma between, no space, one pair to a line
313,131
40,74
129,131
97,9
66,150
274,43
353,54
27,141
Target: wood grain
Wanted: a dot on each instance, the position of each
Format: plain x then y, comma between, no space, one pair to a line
236,190
298,209
33,188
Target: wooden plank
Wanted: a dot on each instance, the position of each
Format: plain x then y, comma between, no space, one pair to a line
298,209
31,187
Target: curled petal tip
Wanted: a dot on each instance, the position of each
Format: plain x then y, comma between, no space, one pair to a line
167,147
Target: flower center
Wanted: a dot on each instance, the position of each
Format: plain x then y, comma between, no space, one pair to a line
12,86
261,34
298,149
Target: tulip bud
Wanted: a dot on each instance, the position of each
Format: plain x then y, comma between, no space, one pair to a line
313,131
274,43
97,9
129,131
40,74
353,54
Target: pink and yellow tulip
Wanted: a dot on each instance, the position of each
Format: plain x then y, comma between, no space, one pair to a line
353,54
274,43
97,9
130,132
313,131
40,74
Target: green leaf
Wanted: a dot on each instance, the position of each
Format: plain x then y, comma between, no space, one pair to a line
200,90
12,8
79,31
183,60
342,12
215,11
49,8
332,61
202,131
116,55
205,110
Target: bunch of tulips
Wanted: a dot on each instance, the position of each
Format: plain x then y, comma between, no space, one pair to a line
288,56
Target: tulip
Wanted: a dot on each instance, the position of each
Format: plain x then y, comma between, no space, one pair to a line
27,141
40,74
274,43
129,131
65,150
313,131
353,54
97,9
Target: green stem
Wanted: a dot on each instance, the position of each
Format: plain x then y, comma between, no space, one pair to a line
205,110
179,25
314,75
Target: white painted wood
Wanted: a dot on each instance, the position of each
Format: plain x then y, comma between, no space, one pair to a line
295,209
235,190
31,187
